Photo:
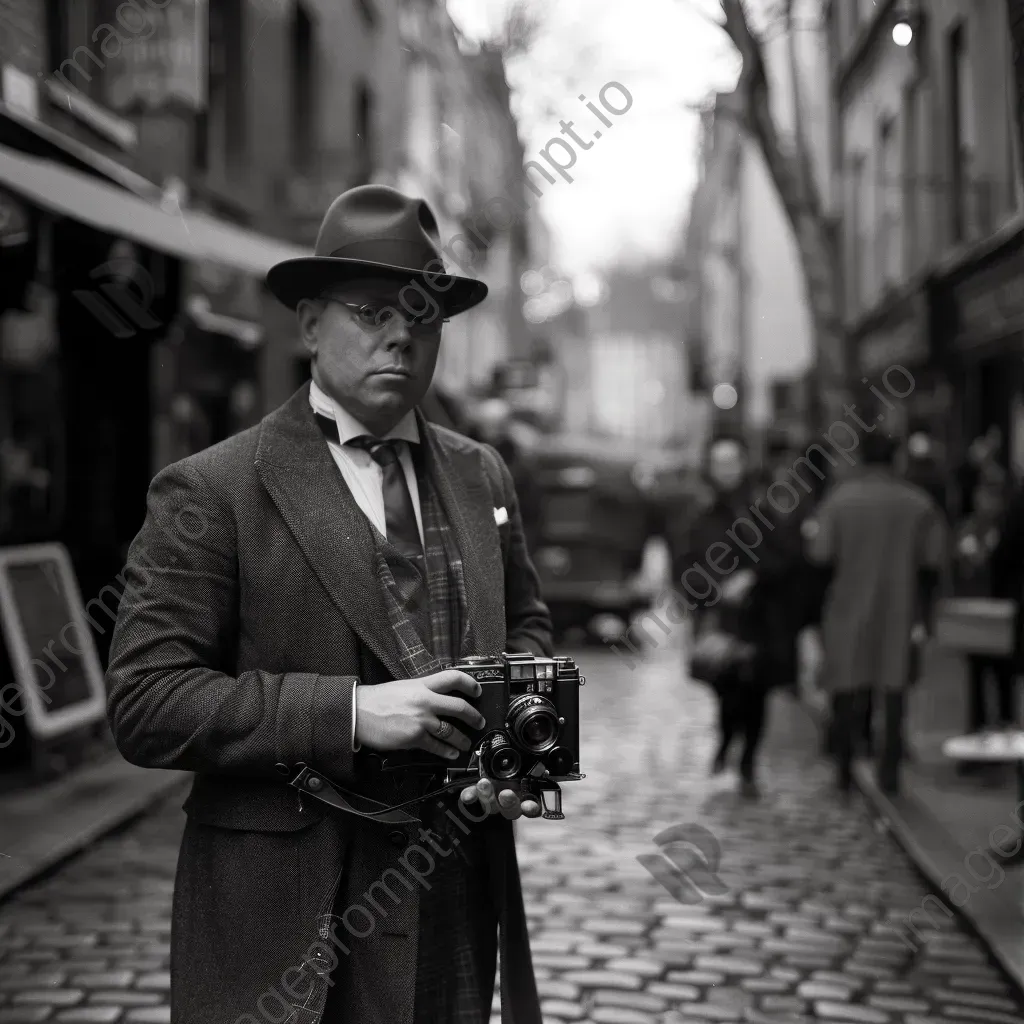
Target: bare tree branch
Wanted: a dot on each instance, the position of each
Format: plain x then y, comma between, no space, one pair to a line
805,163
792,175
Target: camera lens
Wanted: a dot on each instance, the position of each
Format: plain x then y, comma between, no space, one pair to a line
501,760
560,761
533,723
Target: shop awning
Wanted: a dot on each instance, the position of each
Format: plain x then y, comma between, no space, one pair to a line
188,234
36,138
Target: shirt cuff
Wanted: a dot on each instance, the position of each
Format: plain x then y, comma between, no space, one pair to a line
356,745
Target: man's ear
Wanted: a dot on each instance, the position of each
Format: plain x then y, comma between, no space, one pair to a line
308,312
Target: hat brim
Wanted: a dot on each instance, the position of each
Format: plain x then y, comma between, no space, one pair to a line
308,276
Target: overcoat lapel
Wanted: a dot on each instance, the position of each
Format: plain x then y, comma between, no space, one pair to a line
296,467
459,478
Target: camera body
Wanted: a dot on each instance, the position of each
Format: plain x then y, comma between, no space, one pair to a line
532,709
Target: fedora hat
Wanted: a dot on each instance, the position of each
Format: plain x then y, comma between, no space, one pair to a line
375,230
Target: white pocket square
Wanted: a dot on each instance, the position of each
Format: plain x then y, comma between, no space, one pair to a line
501,516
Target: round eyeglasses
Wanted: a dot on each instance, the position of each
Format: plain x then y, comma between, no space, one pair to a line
376,317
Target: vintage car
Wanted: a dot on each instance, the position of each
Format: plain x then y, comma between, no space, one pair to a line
592,527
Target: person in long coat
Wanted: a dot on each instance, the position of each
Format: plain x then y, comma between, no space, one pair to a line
291,603
743,552
885,542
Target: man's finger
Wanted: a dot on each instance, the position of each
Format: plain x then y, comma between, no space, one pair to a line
531,809
435,746
451,679
456,707
455,737
485,790
509,803
469,795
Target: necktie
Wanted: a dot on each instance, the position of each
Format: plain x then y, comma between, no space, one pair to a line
399,514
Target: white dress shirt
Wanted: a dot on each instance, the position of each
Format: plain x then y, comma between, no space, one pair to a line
363,477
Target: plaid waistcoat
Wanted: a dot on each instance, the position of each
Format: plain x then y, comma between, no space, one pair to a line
429,616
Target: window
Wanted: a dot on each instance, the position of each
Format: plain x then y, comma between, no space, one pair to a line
1012,191
887,202
911,173
72,55
854,231
364,141
963,188
304,115
58,33
220,136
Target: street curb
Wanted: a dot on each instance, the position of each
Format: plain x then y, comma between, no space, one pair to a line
937,856
993,919
88,804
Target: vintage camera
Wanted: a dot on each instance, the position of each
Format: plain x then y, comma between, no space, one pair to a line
532,708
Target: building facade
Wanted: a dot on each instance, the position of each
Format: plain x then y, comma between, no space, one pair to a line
461,151
155,159
747,322
927,166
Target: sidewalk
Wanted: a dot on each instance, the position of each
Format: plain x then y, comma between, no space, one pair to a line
46,824
940,817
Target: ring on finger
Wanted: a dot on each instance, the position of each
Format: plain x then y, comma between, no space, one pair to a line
444,730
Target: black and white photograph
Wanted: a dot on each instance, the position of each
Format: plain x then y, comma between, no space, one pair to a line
511,512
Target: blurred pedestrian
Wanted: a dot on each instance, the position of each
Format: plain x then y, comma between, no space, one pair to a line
923,468
980,572
753,603
884,540
983,456
493,425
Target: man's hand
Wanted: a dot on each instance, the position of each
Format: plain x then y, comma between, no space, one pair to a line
507,803
407,713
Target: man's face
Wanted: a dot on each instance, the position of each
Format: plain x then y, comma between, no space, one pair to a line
727,464
366,355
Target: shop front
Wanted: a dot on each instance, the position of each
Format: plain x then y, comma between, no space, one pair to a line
98,283
982,315
207,374
899,378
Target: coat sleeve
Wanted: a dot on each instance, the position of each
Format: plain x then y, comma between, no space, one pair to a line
173,698
527,619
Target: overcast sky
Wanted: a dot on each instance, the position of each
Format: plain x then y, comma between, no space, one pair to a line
629,192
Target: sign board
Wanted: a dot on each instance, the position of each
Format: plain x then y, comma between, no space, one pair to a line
165,64
58,683
21,92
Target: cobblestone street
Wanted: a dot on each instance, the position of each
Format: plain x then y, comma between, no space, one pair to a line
812,926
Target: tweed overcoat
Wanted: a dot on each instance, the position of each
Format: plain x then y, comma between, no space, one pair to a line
251,605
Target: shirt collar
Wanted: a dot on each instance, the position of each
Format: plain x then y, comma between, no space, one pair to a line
407,429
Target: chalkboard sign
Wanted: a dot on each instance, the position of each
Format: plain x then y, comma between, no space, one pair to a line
58,684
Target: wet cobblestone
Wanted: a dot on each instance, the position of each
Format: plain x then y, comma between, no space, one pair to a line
812,928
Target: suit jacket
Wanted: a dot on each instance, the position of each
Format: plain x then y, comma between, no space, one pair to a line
251,605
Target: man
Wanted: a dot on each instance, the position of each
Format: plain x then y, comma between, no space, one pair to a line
884,542
293,598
